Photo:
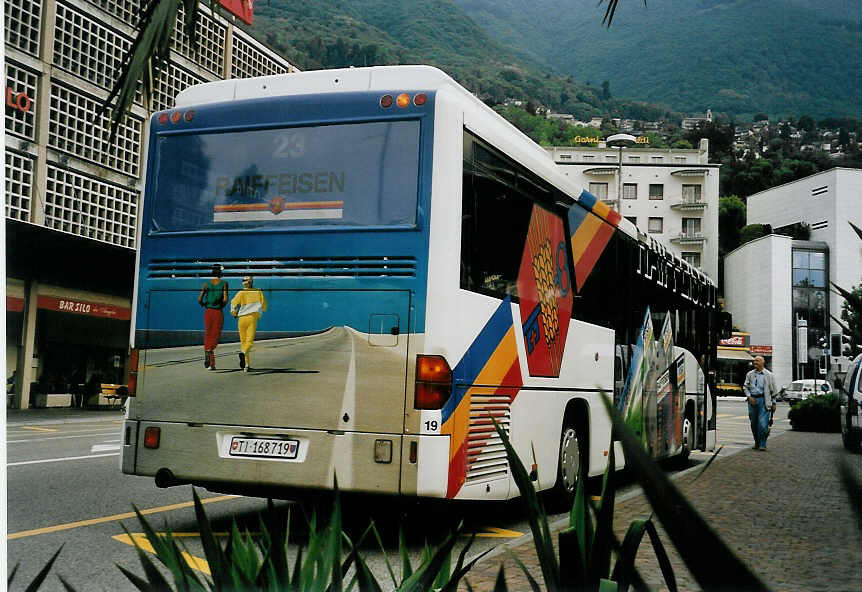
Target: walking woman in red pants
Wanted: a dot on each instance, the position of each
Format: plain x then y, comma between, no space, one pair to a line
213,298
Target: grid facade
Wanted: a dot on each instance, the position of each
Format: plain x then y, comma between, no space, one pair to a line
168,85
88,207
23,24
87,49
19,185
76,129
211,43
248,61
125,10
21,122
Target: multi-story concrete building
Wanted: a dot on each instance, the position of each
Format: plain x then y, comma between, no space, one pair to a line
72,195
671,194
773,282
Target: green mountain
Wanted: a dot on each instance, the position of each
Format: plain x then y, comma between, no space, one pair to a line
333,33
784,57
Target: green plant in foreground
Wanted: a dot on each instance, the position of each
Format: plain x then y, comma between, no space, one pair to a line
588,545
40,577
260,562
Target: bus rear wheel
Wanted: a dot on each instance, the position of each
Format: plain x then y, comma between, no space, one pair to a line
568,469
687,438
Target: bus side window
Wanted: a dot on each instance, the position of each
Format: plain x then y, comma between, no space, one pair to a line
495,218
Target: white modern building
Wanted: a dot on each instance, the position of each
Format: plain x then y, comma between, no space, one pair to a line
72,194
670,194
772,282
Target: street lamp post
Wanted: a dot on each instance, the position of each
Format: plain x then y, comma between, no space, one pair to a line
620,140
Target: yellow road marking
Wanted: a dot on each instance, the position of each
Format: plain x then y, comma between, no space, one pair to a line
497,533
139,539
113,518
38,429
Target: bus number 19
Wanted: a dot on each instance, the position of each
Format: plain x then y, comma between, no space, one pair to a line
431,426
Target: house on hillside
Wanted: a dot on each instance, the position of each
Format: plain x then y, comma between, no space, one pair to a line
690,123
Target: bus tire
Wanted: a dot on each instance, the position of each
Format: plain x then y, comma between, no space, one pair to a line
571,462
687,436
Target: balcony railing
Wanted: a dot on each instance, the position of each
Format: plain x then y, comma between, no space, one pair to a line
689,204
689,238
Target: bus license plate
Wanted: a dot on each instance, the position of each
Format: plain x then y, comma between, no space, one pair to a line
264,447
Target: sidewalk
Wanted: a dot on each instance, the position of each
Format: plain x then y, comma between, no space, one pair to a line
784,512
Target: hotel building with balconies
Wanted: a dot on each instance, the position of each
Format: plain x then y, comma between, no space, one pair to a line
669,194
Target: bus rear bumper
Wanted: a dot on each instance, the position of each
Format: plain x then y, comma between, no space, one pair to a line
307,459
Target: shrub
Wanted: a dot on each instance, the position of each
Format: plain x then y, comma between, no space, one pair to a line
820,413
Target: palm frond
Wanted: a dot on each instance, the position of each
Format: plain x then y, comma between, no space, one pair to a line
610,11
149,52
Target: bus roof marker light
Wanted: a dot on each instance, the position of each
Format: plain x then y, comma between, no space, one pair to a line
176,116
403,100
190,114
419,99
386,101
163,118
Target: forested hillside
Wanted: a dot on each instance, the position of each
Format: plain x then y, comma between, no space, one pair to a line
785,57
331,33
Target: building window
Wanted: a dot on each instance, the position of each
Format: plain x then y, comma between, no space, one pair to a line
809,269
610,158
692,258
810,296
691,227
657,159
630,190
632,219
656,225
634,159
679,159
691,193
600,190
589,157
565,157
656,191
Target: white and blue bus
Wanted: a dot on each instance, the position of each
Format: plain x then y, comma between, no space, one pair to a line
427,269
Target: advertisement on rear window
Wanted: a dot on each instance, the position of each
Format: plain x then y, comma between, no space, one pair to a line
363,174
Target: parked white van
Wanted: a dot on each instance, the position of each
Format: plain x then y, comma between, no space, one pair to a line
807,387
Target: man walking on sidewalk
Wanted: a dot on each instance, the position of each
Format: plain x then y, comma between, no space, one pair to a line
760,389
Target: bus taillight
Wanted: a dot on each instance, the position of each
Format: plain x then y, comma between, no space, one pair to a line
433,382
133,371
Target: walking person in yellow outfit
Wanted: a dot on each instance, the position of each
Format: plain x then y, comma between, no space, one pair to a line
247,306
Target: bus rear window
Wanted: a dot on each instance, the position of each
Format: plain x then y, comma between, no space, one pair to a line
363,174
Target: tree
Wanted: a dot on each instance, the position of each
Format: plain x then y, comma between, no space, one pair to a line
731,220
753,231
606,90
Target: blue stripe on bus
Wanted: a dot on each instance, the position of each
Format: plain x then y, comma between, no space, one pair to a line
587,199
478,354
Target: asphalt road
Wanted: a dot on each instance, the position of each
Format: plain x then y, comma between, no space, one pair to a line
64,488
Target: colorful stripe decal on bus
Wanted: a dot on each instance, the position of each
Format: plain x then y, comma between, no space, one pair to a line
544,288
277,207
590,234
491,361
